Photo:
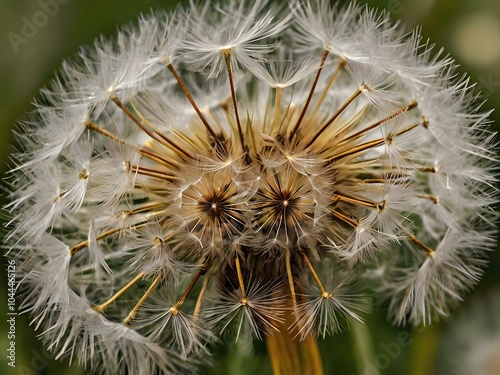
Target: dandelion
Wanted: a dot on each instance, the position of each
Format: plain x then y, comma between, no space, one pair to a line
240,169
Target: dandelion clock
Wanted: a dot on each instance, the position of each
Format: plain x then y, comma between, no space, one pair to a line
241,171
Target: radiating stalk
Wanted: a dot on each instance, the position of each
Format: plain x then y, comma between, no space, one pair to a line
335,116
133,312
311,93
277,107
227,58
102,307
194,105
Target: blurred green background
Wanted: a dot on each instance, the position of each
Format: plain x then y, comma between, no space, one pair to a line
470,31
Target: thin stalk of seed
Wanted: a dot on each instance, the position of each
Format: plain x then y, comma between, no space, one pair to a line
277,105
199,301
374,181
227,59
102,307
354,200
375,143
214,118
143,208
433,198
287,119
174,145
158,159
340,65
267,124
430,252
427,169
136,308
290,278
311,93
152,173
406,130
175,309
226,107
360,148
148,154
315,276
193,104
93,126
240,279
141,126
399,112
82,245
335,115
252,137
347,125
349,221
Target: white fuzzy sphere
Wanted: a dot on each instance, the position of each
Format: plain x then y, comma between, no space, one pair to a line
244,168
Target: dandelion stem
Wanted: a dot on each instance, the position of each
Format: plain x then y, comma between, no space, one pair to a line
290,356
340,65
102,307
227,58
240,277
193,104
311,93
407,108
199,301
133,313
324,293
175,309
334,117
293,357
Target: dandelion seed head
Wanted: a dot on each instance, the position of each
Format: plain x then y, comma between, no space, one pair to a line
237,170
